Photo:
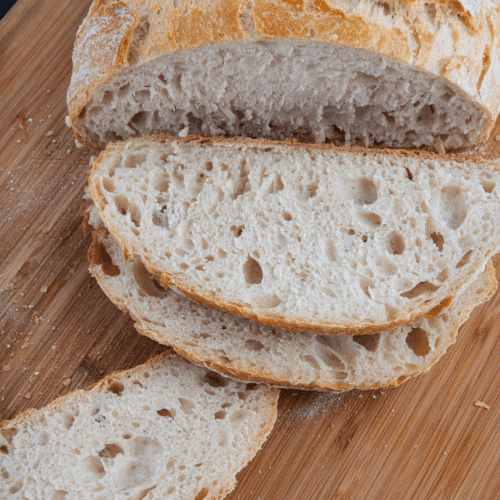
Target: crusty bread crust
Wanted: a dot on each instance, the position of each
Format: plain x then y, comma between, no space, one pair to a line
430,308
448,39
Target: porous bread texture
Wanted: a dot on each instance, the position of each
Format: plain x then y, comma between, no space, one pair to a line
251,352
304,238
394,74
165,430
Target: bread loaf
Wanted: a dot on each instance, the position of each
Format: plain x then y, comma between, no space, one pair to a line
304,238
164,430
251,352
394,74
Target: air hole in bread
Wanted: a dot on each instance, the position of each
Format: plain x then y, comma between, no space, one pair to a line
385,266
160,217
487,185
370,218
123,91
116,387
166,413
111,136
135,214
91,470
418,341
237,230
132,160
424,287
396,243
133,474
68,420
161,182
254,345
238,416
332,360
409,173
220,415
362,191
311,360
443,275
170,465
141,495
215,380
107,97
453,206
17,487
121,203
240,183
111,450
4,450
287,216
465,259
59,495
148,285
42,439
266,301
351,231
252,271
369,342
221,254
222,439
201,494
438,240
126,436
108,185
365,285
425,115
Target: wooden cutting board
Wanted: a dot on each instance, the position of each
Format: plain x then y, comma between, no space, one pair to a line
58,332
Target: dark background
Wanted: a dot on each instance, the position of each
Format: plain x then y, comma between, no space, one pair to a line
5,5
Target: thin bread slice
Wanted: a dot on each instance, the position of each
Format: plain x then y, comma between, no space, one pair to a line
302,237
400,73
164,430
251,352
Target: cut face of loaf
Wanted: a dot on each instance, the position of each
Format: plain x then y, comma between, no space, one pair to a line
304,238
251,352
397,74
164,430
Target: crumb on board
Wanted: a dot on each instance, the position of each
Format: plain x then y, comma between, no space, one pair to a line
497,138
482,405
43,289
66,382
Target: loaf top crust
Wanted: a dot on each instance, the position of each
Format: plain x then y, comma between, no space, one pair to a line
449,39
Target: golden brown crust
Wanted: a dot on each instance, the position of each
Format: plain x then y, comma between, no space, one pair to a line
448,41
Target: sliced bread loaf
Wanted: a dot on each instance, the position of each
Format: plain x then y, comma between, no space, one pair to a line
304,238
395,74
251,352
164,430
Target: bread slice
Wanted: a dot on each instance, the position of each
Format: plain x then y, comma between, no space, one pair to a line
397,74
164,430
251,352
303,238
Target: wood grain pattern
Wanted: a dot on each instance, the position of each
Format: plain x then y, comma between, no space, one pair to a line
58,332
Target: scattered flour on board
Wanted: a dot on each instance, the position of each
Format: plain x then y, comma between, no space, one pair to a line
322,404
